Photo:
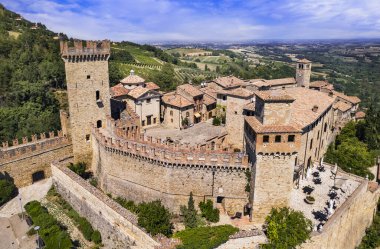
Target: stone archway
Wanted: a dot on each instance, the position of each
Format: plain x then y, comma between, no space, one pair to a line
38,176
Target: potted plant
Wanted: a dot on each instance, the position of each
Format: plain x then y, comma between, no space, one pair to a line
308,189
309,199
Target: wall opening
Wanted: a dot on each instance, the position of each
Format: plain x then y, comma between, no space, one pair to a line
97,95
99,123
38,176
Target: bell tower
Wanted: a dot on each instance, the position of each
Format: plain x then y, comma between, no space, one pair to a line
303,73
88,91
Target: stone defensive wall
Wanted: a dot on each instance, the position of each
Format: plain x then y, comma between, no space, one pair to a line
346,227
29,161
117,225
142,168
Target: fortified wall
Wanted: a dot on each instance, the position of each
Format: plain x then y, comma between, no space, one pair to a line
346,227
142,168
29,161
117,225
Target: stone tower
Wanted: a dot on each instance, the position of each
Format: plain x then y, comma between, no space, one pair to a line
88,91
303,73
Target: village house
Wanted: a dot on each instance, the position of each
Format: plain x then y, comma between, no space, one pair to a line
176,111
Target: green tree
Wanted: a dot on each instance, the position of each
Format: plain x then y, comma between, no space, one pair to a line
286,228
189,213
155,218
8,190
208,211
216,121
166,77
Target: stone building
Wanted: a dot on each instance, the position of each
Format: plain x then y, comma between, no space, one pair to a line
322,86
291,129
260,85
194,95
303,73
237,99
175,110
88,91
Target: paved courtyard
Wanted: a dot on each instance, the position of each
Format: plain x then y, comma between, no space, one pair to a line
319,211
198,134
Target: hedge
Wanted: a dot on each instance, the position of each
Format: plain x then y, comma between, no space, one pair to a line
51,232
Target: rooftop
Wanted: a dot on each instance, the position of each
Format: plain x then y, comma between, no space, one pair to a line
352,99
258,127
341,106
208,100
198,134
119,90
274,95
190,89
360,115
175,99
239,92
304,61
209,91
132,79
138,92
228,81
152,86
274,82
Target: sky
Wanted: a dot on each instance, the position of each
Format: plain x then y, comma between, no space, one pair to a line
204,20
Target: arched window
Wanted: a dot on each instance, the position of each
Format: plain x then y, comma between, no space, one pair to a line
97,95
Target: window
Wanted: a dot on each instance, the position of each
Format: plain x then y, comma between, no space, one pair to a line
318,135
154,120
99,123
97,95
235,112
277,139
147,101
224,97
88,76
265,139
187,114
87,137
311,144
172,120
143,123
171,114
325,127
291,138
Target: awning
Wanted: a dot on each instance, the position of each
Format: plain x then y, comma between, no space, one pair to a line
197,115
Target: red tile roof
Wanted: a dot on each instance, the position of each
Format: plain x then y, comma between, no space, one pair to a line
360,115
352,99
175,99
229,81
152,86
341,106
191,90
138,92
119,90
258,127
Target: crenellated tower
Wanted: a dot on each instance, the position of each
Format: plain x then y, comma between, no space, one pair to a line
88,91
303,73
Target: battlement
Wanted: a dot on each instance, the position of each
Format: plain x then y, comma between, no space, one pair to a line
94,50
157,151
33,144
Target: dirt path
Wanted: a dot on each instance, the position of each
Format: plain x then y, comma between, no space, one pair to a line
61,216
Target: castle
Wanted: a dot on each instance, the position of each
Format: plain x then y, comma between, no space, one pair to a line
275,131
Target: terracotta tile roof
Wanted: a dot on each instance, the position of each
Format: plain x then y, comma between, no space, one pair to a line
360,115
283,81
119,90
302,109
209,91
138,92
208,100
353,99
152,86
250,106
274,95
175,99
341,106
258,127
228,81
191,90
239,92
132,79
318,84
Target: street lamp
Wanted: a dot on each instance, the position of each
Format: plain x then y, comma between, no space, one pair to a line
22,211
36,228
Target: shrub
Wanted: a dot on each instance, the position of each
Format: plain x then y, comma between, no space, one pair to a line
50,230
208,211
189,213
155,218
79,169
205,237
216,121
96,237
130,205
94,182
86,228
8,190
286,228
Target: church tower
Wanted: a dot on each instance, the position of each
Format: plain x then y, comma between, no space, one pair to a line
303,73
88,91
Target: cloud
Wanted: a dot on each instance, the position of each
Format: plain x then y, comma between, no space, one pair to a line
207,20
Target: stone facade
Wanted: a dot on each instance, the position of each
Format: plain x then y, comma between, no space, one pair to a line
148,109
145,172
173,115
88,91
303,73
117,225
20,162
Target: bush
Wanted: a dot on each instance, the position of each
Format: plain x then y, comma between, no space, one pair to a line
208,211
205,237
155,218
130,205
78,168
51,231
216,121
96,237
86,228
8,190
94,182
189,213
286,228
